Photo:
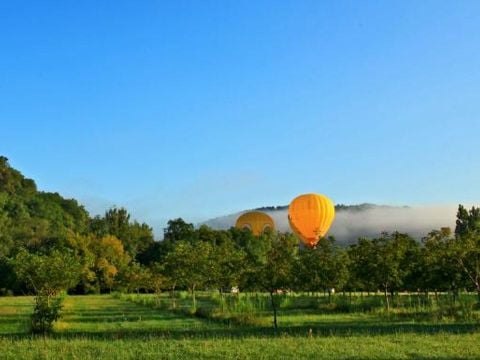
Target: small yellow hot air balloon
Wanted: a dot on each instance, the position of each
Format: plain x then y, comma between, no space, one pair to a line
257,222
310,217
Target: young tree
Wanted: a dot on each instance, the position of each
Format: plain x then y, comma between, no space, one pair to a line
47,275
323,267
227,265
255,249
391,261
276,271
334,261
136,277
189,266
362,256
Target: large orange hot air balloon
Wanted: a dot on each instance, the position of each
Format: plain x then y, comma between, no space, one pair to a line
310,217
257,222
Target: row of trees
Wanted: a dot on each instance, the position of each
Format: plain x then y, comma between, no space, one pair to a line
443,261
204,258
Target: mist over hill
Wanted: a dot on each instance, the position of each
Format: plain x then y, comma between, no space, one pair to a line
364,220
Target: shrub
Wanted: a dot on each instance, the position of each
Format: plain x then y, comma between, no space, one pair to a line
45,313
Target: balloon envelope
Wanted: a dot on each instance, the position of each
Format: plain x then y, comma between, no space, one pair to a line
257,222
310,217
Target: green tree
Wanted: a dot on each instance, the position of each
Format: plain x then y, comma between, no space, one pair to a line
136,277
110,260
438,267
189,266
136,238
276,272
323,267
176,230
468,221
13,182
362,257
47,275
7,276
227,265
391,261
466,246
255,250
467,253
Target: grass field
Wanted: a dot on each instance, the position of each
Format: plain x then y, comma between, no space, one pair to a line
135,327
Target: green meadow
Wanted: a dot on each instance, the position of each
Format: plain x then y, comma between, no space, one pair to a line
238,327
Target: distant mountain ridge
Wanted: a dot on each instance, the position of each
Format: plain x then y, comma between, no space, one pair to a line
338,207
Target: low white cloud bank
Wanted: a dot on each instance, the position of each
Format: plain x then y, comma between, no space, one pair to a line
350,224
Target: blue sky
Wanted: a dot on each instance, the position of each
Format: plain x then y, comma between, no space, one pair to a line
202,108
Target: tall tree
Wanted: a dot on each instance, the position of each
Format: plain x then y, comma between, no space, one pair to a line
468,221
178,229
110,260
136,238
438,267
466,246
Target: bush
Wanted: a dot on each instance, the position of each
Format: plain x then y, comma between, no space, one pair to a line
46,312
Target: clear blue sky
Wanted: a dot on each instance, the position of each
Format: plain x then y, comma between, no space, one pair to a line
202,108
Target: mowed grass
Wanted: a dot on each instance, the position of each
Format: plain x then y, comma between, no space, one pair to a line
14,314
105,316
104,327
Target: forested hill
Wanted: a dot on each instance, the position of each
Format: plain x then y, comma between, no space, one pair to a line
41,221
28,215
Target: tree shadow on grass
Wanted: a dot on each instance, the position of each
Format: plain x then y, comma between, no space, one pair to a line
215,332
414,357
13,319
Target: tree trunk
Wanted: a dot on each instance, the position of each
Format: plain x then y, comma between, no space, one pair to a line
193,298
454,294
172,295
387,303
274,307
